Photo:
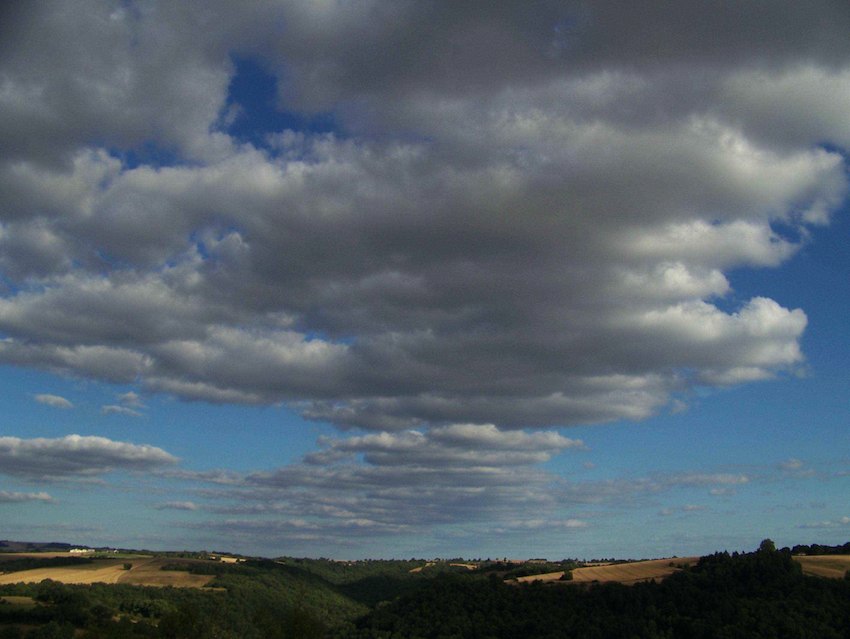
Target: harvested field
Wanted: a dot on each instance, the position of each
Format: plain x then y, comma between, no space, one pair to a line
546,576
628,573
832,566
145,571
420,568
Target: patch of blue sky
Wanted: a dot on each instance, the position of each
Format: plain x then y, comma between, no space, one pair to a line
205,436
149,154
236,437
253,111
821,265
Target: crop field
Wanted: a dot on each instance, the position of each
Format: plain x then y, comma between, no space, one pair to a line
145,571
629,573
833,566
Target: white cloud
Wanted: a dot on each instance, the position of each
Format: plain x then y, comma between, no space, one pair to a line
131,400
55,401
177,505
791,464
7,497
827,523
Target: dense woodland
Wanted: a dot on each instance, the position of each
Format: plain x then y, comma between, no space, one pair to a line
758,594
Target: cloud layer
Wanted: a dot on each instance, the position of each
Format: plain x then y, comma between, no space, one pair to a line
521,217
451,230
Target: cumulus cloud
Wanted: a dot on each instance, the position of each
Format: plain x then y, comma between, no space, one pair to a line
516,222
55,401
516,219
76,456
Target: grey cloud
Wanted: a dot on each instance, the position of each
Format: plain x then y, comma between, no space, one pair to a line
76,456
100,362
405,481
430,481
392,48
62,92
525,218
626,490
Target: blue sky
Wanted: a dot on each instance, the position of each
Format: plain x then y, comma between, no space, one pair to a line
397,280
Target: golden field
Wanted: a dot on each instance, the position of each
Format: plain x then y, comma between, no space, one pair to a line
626,573
145,571
833,566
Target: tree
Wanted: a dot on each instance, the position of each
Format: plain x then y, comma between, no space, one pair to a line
767,545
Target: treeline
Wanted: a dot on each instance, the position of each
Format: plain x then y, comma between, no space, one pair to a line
29,563
819,549
759,594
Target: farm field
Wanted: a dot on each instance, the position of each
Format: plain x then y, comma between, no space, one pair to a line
145,571
833,566
629,573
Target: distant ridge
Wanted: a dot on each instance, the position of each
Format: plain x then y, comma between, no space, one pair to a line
34,546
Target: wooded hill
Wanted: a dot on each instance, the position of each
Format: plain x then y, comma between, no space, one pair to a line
759,594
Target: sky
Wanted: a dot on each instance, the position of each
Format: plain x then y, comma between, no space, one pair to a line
425,279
